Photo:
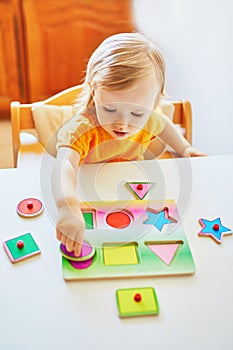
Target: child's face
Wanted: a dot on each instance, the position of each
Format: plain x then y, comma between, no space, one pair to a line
124,113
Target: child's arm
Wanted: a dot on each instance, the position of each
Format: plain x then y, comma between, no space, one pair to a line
173,138
70,222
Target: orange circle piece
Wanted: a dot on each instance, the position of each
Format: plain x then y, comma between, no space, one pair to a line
29,207
118,219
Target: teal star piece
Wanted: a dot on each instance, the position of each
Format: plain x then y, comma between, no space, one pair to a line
214,229
158,219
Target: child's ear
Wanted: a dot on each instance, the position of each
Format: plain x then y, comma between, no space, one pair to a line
93,96
92,91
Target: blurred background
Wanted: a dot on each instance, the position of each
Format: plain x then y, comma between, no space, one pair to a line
44,47
196,38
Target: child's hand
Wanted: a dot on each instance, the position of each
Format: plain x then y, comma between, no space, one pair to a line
70,228
191,152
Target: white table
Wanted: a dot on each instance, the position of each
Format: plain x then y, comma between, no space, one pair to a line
39,310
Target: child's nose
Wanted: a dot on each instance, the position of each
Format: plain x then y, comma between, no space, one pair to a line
122,119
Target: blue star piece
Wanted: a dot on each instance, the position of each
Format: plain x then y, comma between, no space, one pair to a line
213,229
158,219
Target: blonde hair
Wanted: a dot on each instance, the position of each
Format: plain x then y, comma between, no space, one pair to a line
118,63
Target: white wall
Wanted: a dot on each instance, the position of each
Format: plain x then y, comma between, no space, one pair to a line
196,38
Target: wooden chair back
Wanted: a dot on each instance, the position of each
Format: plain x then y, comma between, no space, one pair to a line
22,119
183,117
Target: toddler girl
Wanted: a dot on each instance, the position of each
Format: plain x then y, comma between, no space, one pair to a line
115,120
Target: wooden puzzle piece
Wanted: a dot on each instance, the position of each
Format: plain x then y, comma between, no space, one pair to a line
214,229
139,189
30,207
87,252
159,218
137,302
21,247
80,265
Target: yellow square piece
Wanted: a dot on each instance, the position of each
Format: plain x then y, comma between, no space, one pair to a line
120,254
137,302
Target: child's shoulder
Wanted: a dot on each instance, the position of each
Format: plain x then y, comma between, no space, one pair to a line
156,118
155,123
78,125
82,120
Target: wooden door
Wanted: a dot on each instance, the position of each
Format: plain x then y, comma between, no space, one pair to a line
61,35
12,62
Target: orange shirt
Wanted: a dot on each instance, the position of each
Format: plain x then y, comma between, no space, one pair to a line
95,145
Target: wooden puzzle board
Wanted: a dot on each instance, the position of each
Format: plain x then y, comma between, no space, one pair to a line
152,241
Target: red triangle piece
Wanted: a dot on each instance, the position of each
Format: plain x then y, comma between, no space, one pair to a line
165,251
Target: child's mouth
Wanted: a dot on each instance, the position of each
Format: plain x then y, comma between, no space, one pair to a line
120,133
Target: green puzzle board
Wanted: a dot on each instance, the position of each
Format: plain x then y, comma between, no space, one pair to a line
140,249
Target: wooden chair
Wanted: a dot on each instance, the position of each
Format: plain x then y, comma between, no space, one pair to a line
30,152
182,118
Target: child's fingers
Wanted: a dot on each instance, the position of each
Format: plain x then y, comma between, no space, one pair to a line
58,234
69,244
191,152
77,248
63,239
198,154
72,245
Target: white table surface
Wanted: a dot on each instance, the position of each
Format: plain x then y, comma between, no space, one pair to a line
39,310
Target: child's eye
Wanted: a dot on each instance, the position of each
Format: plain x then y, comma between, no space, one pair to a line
110,110
137,114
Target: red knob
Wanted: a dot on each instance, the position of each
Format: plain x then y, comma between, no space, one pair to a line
216,227
29,204
137,297
20,244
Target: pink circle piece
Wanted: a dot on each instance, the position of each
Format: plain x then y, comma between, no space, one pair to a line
80,265
87,252
29,207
